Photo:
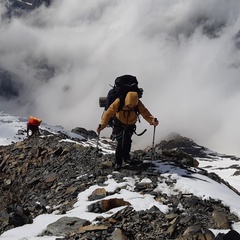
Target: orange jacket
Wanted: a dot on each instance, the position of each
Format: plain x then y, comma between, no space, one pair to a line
125,115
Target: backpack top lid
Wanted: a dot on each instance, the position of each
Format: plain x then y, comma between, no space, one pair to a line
125,84
126,80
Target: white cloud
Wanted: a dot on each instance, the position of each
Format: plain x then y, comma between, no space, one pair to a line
190,80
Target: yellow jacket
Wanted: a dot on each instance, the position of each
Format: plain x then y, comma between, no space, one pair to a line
125,115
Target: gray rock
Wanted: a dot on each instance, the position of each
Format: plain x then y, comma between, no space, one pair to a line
66,225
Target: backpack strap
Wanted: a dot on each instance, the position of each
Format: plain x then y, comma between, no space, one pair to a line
122,102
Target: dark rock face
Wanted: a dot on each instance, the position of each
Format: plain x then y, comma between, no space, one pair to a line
45,175
17,8
85,133
9,87
12,86
28,4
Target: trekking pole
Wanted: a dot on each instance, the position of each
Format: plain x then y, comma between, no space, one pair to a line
97,148
154,131
98,136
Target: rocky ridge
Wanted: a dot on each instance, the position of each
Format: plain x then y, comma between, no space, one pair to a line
46,174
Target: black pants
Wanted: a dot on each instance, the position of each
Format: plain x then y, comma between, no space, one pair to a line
124,141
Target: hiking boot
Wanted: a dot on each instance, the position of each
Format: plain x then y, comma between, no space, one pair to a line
117,166
128,161
133,162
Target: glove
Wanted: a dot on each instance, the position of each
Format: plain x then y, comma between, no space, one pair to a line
99,129
155,122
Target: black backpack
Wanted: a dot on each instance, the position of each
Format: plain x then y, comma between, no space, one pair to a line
122,85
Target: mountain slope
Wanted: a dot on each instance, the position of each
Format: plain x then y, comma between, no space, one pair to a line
58,186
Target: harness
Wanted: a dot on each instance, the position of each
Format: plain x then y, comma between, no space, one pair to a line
126,114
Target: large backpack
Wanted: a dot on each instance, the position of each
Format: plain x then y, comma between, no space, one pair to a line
34,121
122,85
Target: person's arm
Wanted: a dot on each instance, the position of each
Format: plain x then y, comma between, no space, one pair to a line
110,112
146,114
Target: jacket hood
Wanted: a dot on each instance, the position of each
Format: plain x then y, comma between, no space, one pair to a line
131,98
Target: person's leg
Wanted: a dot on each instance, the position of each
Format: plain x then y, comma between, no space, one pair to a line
118,131
38,131
127,143
28,130
119,150
34,131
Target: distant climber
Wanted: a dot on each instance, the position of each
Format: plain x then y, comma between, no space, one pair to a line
33,126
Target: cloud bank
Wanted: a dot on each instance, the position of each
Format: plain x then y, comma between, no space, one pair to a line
185,55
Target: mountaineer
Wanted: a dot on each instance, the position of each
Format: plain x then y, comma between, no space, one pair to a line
33,126
125,124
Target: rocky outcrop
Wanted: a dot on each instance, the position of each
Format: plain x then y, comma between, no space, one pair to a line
85,133
45,175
